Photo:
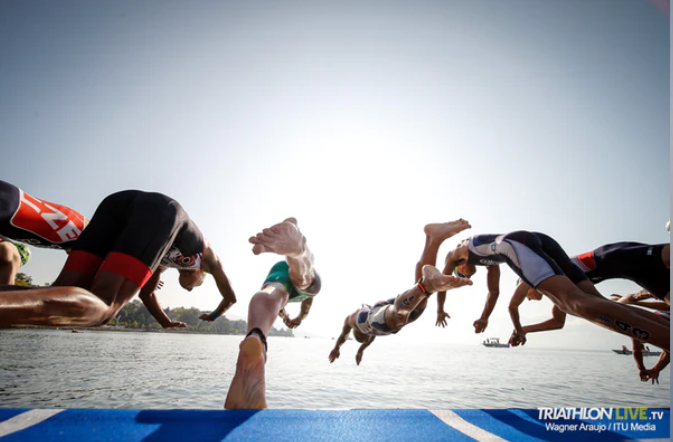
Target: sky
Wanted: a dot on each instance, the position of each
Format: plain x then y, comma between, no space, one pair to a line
364,120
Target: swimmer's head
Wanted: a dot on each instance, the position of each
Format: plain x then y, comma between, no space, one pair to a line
359,336
531,294
465,271
191,278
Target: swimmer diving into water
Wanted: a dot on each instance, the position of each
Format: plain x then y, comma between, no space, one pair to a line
390,316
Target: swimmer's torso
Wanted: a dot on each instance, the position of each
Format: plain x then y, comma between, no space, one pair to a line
484,250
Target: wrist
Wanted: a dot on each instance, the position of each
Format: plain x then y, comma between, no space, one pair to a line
214,314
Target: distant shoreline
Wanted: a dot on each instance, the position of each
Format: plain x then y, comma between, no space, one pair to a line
126,329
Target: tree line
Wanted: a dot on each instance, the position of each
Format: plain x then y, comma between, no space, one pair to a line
135,315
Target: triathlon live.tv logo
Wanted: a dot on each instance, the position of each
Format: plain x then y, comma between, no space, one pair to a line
601,419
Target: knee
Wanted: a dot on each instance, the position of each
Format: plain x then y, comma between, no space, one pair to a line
82,308
9,254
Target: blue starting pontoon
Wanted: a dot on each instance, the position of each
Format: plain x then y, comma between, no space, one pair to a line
48,425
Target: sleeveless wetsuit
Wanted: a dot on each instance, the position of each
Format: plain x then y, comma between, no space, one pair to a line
371,320
637,262
130,233
280,272
533,256
37,222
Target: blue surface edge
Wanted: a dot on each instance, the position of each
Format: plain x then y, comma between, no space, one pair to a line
368,425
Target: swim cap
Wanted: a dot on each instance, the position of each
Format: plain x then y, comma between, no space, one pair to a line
24,252
668,226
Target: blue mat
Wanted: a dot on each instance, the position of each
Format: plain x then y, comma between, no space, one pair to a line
49,425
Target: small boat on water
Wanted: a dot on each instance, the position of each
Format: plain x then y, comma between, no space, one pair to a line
74,330
646,351
494,342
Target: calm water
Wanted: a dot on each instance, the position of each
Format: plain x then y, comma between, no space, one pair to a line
57,368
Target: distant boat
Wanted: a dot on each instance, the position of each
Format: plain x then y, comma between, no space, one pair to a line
74,330
646,352
494,342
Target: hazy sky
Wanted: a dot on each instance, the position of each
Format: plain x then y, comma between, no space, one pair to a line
365,120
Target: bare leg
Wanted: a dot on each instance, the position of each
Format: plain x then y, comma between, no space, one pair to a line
286,239
623,319
10,262
397,315
51,306
435,235
247,390
73,306
589,288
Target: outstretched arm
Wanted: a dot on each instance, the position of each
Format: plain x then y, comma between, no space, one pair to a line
655,305
348,325
557,322
305,308
441,296
213,265
358,356
493,282
149,298
662,363
518,336
442,316
638,357
632,298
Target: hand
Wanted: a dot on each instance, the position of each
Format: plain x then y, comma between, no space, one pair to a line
517,339
160,284
334,355
644,375
358,358
641,295
480,325
292,323
442,319
175,324
207,317
654,376
614,297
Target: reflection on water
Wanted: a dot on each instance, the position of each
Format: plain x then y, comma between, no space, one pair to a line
56,368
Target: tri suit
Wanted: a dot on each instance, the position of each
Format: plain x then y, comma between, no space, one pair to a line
133,232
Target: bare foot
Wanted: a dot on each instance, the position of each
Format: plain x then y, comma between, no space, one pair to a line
247,390
442,231
282,238
436,281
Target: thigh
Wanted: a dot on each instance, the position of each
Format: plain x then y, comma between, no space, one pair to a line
554,251
527,259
